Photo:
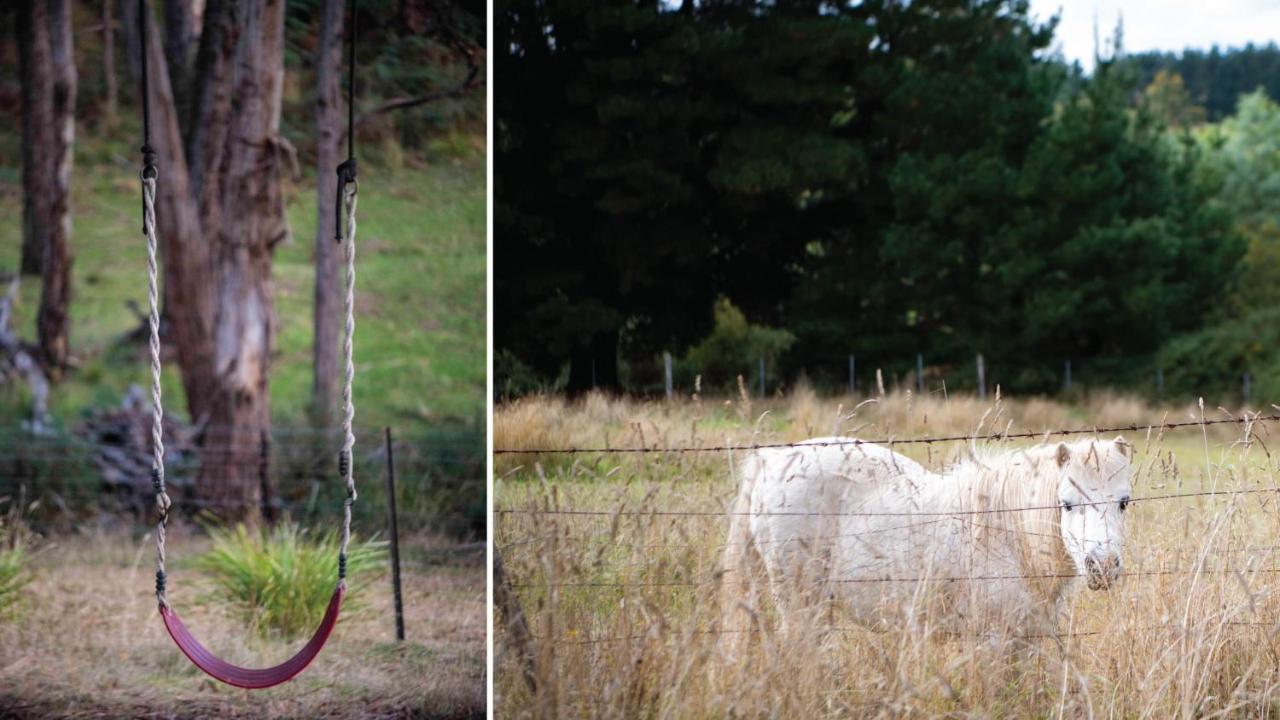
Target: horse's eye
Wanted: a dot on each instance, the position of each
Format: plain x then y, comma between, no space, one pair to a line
1066,506
1124,503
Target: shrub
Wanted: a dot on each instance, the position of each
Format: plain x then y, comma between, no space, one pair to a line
734,348
281,580
1210,362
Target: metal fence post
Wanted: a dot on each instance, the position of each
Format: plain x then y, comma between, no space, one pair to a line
393,528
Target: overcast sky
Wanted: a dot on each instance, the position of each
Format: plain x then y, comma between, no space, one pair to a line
1160,24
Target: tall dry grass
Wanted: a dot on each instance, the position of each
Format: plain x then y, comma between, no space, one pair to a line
623,610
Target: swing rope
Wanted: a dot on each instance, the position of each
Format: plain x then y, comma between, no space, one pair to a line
347,191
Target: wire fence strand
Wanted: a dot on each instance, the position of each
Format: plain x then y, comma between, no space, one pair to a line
890,441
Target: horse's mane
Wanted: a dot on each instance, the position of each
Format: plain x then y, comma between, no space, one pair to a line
1025,483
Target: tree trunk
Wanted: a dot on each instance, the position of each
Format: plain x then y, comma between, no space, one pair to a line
206,129
38,132
178,25
183,250
329,124
132,40
53,323
110,102
243,244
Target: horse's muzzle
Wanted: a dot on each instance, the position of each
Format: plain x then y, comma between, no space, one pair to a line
1102,574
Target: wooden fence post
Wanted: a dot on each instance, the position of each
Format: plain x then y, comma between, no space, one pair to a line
982,379
517,627
666,362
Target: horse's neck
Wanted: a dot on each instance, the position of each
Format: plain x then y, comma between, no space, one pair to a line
992,485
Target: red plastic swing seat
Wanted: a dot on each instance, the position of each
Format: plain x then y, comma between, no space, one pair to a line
249,678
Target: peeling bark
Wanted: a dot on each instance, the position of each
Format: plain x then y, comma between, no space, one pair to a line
183,251
243,246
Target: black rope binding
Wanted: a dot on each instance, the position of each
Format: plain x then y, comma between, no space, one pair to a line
342,567
149,170
347,170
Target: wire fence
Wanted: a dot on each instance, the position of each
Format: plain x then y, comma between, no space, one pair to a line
1208,561
891,441
572,640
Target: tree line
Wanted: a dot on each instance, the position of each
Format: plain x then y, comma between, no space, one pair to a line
881,177
216,71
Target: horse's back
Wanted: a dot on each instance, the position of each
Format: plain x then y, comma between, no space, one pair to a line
804,490
844,462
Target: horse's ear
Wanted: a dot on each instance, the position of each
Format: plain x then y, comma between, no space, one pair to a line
1063,454
1125,447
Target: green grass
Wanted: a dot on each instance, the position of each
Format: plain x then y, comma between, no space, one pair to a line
420,340
13,578
280,581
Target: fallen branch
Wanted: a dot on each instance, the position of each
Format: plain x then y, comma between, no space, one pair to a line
469,83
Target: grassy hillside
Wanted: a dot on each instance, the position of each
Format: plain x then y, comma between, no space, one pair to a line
421,270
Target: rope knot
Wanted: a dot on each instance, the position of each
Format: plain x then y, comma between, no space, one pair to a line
346,176
163,503
149,160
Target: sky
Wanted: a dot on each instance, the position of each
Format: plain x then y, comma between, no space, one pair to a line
1160,24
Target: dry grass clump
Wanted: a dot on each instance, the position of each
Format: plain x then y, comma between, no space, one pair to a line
623,608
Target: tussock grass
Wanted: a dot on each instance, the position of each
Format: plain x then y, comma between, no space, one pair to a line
1193,630
13,578
281,580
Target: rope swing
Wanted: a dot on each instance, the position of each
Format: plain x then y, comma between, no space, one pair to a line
347,189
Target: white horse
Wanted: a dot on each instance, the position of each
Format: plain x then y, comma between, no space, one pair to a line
991,543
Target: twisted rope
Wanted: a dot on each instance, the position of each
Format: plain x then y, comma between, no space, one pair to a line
350,190
157,407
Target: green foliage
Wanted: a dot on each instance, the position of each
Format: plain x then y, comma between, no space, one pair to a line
1247,154
735,347
877,178
13,578
1167,99
13,559
281,580
1212,361
1216,77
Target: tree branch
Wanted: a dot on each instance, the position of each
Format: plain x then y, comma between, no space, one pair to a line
469,83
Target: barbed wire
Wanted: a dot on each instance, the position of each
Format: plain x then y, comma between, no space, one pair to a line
862,630
858,513
893,579
854,442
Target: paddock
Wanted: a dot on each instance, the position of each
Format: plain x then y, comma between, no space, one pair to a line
612,559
